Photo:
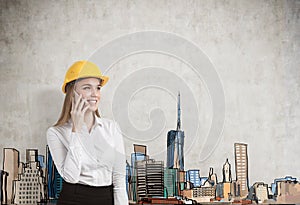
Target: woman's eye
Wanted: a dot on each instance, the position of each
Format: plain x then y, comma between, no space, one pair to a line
86,88
99,88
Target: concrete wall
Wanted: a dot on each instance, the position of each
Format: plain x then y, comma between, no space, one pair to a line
252,45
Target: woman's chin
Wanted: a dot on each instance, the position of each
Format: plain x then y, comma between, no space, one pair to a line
93,109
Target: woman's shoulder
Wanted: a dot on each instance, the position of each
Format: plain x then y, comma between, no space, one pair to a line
106,121
59,128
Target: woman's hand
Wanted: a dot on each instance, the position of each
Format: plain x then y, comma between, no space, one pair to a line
79,107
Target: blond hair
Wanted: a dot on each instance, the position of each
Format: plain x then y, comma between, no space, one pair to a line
67,106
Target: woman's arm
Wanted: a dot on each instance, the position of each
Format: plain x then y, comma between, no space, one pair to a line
67,154
67,159
119,169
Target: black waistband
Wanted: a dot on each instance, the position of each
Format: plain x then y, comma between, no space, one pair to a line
84,194
87,188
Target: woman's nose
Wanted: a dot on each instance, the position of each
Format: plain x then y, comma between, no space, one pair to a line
95,92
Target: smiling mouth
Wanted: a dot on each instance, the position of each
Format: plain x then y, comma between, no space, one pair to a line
92,101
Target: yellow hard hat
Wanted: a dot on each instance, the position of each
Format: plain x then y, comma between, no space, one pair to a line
83,69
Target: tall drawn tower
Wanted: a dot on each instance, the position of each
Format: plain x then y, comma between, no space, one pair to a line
175,144
241,168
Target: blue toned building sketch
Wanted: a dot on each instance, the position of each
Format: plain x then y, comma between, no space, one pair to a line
203,180
193,176
54,179
276,181
128,176
170,182
137,157
175,144
41,160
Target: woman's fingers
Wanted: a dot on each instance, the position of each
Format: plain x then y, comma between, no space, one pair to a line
81,105
86,108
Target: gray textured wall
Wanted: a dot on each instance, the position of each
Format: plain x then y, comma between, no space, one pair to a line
252,45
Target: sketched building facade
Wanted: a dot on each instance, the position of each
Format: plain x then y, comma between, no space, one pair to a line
227,172
200,194
227,181
11,166
29,188
241,168
212,179
274,185
288,191
3,184
139,154
261,191
149,179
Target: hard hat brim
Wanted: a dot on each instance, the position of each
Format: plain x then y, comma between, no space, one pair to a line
103,78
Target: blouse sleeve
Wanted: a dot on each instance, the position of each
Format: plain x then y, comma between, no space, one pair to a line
67,159
119,169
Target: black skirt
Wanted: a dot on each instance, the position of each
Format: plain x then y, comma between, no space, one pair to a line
78,194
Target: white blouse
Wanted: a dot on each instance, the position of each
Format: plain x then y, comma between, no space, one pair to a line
95,158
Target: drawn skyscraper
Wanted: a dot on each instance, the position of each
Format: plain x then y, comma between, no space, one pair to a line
193,176
140,154
149,178
11,166
175,144
54,180
29,188
241,168
227,172
227,185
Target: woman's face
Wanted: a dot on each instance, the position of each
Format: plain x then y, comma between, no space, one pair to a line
89,88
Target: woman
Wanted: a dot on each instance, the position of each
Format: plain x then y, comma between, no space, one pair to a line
87,150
